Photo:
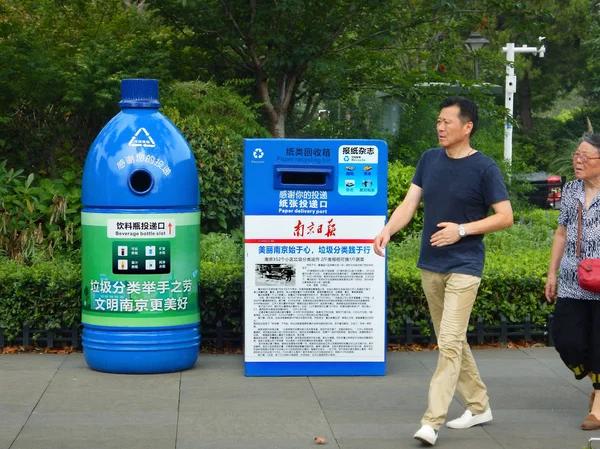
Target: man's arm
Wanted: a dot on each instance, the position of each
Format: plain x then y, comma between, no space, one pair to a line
399,219
501,219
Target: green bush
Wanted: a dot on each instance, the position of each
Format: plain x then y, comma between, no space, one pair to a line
513,278
45,295
221,294
219,162
38,216
221,281
220,248
533,230
216,108
215,120
399,180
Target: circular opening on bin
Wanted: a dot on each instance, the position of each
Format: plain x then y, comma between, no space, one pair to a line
141,181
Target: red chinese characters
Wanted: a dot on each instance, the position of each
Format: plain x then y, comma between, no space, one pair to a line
304,230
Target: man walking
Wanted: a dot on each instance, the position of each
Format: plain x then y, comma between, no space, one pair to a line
458,185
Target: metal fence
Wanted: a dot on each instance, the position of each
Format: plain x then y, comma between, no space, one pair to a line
219,337
483,333
34,337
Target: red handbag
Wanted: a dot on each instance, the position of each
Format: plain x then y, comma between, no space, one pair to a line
588,270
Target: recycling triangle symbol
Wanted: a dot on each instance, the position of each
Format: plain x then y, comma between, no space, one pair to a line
142,139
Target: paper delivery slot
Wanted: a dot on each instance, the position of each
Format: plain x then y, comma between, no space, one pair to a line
306,177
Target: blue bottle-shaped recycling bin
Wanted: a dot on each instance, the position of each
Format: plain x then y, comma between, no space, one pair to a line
140,233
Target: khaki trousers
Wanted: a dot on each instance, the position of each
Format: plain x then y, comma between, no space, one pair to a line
450,298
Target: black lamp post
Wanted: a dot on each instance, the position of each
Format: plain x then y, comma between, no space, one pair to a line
474,43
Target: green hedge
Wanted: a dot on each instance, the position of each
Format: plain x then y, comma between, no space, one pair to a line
47,294
512,283
399,180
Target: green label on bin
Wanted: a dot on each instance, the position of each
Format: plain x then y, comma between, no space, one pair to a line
140,270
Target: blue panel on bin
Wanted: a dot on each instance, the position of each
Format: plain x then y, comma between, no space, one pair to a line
140,350
304,177
262,155
315,369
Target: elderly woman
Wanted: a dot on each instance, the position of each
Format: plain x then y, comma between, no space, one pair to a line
577,312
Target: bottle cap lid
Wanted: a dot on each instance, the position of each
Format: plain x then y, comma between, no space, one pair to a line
139,93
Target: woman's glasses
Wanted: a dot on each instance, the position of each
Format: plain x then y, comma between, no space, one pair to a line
583,158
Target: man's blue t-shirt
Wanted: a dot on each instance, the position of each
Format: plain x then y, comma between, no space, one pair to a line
458,191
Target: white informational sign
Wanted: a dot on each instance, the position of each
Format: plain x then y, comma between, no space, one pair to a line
358,154
160,228
315,289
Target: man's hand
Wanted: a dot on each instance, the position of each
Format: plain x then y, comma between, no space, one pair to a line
447,235
551,288
380,242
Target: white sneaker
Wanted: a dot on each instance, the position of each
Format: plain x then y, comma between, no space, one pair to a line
469,420
426,435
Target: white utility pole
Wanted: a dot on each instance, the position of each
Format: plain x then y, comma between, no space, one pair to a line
511,88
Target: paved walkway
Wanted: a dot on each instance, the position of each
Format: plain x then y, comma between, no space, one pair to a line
55,401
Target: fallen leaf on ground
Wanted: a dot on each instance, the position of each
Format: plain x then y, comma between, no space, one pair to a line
65,350
15,349
319,440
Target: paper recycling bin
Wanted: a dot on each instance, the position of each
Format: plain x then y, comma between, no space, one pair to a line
315,296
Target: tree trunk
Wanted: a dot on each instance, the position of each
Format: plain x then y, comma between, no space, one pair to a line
277,110
277,126
275,115
525,103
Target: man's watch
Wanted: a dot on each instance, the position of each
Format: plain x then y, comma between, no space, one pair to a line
462,232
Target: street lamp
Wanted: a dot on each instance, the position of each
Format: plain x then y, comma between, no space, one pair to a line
511,89
474,43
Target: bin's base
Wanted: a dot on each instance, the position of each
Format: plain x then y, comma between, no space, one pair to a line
314,369
140,351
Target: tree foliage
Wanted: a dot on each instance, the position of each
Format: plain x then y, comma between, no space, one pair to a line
66,62
302,51
565,25
287,58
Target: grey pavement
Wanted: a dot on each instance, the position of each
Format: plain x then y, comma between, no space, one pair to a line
55,401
